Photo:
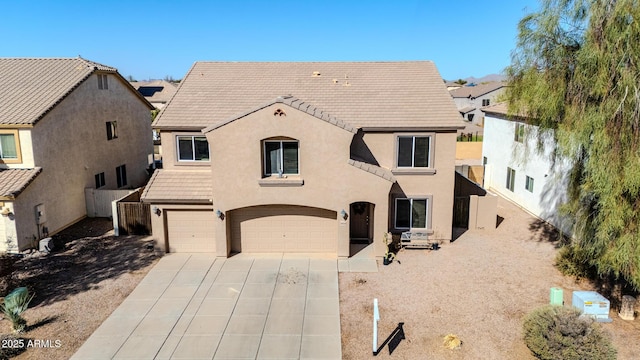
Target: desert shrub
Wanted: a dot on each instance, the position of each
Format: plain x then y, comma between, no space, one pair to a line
570,263
560,333
14,305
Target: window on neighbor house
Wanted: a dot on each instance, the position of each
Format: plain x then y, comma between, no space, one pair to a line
99,180
281,157
470,117
511,176
103,82
192,148
529,184
519,132
411,213
112,127
414,151
486,102
9,149
121,175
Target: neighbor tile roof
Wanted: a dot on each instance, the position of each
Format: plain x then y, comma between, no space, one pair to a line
467,109
14,181
186,186
31,87
156,91
499,108
475,91
364,94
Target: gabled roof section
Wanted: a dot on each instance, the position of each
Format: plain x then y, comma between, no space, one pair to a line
466,109
158,91
373,169
31,87
476,91
394,95
294,103
14,181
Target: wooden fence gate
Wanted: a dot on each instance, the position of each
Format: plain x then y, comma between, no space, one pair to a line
134,217
461,212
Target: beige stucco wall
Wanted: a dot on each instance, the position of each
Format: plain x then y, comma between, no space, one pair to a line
70,144
468,150
329,181
438,185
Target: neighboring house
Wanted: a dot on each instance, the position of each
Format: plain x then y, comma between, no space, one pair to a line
451,85
65,125
157,92
517,169
469,99
304,157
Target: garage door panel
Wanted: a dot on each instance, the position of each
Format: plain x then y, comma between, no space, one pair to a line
191,231
284,229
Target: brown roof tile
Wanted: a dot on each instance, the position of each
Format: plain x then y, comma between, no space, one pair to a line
14,181
373,169
186,186
475,91
364,94
31,87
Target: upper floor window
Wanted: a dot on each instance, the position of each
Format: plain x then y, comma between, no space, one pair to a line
486,102
529,184
281,157
112,127
9,146
414,151
103,82
519,133
192,148
100,180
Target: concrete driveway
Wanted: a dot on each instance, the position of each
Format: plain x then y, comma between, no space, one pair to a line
194,306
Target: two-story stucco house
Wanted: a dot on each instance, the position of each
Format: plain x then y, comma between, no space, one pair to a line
469,99
65,125
523,169
304,157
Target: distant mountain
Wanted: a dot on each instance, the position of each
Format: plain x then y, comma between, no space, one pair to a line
487,78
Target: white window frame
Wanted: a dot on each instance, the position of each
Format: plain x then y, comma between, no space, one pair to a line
193,149
112,130
529,183
511,179
413,150
280,154
427,220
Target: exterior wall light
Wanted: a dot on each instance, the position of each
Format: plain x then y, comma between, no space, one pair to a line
344,214
156,210
6,212
219,214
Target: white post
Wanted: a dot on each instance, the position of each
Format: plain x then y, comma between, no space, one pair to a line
376,317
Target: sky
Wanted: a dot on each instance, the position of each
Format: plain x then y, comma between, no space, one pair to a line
157,39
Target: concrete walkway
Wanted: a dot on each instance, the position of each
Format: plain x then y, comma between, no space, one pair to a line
194,306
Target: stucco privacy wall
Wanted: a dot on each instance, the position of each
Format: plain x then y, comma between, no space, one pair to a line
71,145
330,182
439,185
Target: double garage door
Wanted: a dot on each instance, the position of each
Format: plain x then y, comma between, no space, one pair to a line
280,228
191,231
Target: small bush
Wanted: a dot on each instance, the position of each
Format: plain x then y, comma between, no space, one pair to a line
570,263
14,305
559,333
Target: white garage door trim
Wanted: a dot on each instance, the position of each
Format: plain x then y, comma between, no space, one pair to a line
284,228
190,231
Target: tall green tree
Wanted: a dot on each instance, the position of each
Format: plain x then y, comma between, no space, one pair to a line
576,71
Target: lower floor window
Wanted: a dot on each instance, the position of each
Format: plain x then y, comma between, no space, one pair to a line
511,178
411,213
529,184
121,175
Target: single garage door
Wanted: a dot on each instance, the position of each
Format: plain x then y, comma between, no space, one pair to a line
279,228
191,231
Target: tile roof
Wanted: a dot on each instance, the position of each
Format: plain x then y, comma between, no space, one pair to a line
185,186
294,103
475,91
14,181
364,94
374,169
158,91
466,109
499,108
31,87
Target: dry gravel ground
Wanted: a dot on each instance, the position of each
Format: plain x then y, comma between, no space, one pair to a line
478,287
78,286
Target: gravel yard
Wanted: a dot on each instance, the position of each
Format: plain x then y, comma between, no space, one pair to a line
478,287
78,286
